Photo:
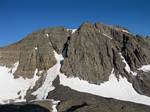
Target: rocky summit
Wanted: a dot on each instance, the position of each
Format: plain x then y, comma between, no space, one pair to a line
95,68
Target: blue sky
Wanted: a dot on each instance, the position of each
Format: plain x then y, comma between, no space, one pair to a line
21,17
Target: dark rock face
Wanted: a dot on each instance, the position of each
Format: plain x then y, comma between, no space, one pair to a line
142,83
22,108
47,104
89,52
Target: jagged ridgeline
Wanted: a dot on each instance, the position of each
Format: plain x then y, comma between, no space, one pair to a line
59,65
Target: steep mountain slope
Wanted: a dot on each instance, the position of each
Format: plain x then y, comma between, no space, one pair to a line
95,59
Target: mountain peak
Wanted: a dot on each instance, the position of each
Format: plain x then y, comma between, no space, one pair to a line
92,59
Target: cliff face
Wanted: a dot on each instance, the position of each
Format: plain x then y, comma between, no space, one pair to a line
95,49
90,53
35,51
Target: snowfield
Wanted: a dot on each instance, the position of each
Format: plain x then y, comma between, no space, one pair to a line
11,89
121,90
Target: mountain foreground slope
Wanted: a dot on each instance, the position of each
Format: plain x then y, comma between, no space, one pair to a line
95,68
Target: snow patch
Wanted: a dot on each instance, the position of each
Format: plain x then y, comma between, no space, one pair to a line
145,68
125,31
133,73
72,30
47,35
36,48
107,36
15,87
41,71
55,103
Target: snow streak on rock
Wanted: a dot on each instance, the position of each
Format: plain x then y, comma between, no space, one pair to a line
127,67
107,36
